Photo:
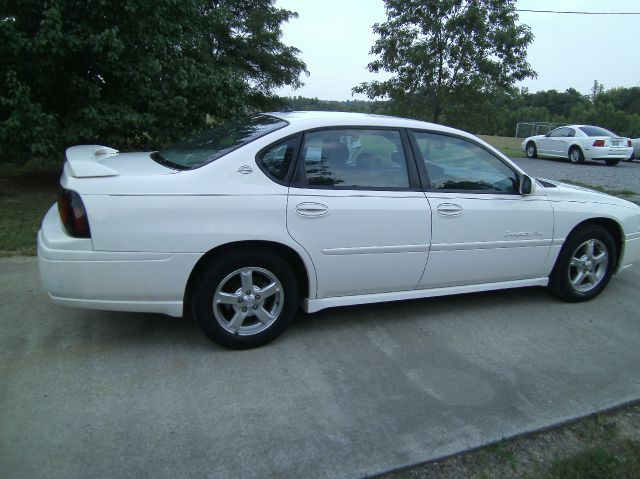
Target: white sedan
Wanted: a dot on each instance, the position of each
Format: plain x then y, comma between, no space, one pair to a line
579,143
245,224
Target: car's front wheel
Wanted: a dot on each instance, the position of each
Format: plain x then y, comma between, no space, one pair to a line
575,155
531,150
245,299
585,264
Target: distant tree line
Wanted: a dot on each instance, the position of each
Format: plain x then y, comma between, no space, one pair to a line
617,109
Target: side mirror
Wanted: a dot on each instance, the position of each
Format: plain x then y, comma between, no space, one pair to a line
547,135
526,185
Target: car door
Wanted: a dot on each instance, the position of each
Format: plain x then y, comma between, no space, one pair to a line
483,230
355,205
557,141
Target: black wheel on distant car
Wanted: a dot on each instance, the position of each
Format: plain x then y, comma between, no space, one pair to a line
245,299
575,155
585,264
531,150
611,162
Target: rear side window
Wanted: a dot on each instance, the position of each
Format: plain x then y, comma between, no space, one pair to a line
354,158
276,159
217,142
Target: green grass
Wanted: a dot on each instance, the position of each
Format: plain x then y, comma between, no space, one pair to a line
615,459
601,189
25,196
507,145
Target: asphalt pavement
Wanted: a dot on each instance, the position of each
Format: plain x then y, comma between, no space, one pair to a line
344,393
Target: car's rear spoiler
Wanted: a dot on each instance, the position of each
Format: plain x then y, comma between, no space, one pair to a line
84,160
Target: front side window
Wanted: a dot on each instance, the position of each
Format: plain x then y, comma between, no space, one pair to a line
559,132
354,158
217,141
454,164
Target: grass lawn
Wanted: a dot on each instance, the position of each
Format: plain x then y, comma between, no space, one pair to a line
506,144
25,196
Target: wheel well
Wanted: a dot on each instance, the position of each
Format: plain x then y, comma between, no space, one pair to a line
287,253
611,226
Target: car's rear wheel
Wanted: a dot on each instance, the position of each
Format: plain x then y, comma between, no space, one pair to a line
585,264
575,155
531,150
245,299
612,162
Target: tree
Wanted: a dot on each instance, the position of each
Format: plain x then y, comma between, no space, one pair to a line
134,73
446,54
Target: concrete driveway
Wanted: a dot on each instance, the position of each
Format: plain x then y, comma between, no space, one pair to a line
344,393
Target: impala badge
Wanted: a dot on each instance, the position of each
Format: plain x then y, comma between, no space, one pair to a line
245,169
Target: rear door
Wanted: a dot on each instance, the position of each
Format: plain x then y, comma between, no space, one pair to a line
356,207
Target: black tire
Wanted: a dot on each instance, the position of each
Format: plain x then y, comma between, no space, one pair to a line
612,162
224,277
564,280
576,155
531,150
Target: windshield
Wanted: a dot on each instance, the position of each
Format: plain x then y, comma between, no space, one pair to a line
217,141
596,131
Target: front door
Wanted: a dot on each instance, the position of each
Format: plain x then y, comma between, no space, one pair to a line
483,230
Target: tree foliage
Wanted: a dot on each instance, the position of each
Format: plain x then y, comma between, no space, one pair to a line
444,50
134,73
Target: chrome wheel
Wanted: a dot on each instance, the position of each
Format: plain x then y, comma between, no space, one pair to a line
575,156
588,265
531,150
248,301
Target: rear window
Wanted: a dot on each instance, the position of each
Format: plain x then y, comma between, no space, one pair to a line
217,142
596,131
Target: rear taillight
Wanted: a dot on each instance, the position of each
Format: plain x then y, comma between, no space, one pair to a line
629,143
598,143
72,214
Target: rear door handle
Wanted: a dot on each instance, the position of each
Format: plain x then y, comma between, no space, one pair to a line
312,209
449,209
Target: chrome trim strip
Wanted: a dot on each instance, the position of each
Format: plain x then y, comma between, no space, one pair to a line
490,245
412,248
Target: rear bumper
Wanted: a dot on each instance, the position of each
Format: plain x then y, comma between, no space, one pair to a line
608,153
75,275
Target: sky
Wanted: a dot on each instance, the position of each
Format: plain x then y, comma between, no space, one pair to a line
569,51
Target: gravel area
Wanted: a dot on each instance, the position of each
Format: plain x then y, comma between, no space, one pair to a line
623,176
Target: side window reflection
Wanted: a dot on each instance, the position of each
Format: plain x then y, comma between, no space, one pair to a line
457,164
356,158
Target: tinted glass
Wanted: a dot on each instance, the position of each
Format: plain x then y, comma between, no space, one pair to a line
559,132
596,131
278,158
457,164
217,141
355,158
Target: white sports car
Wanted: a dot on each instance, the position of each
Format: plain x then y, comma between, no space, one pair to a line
579,143
254,218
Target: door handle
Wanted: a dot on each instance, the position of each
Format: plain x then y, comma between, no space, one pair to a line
312,209
449,209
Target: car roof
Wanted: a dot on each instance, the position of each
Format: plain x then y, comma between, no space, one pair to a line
319,119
